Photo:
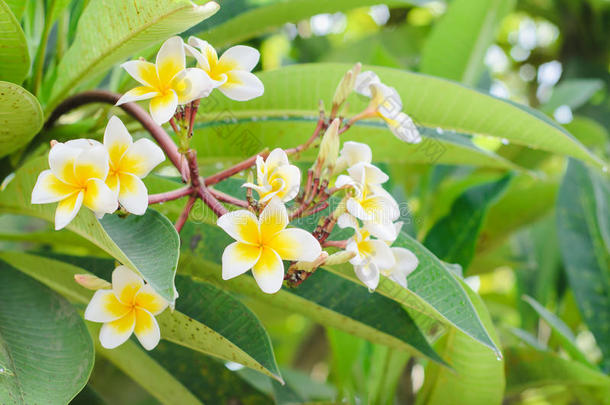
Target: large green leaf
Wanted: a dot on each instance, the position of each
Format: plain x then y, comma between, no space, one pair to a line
14,55
149,374
213,323
295,91
453,238
110,31
148,244
583,209
477,376
273,14
45,349
324,297
573,93
17,7
20,116
457,44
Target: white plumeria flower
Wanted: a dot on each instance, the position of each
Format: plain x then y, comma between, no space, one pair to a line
405,263
370,255
77,175
167,83
261,245
129,307
275,176
387,105
231,73
129,162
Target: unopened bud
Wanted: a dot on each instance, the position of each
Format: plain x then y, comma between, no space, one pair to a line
311,266
340,257
53,143
91,282
346,85
329,149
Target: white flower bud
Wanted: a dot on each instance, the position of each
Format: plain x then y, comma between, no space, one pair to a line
346,85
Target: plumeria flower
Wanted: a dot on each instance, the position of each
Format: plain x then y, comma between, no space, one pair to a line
370,255
275,176
129,307
129,162
77,175
261,245
405,263
231,73
353,153
387,105
167,83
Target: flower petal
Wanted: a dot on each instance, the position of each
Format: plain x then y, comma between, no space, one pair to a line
148,299
269,271
116,140
115,333
147,329
133,194
238,258
141,157
191,84
242,86
291,176
276,158
368,274
61,162
356,152
355,208
386,100
347,221
241,225
364,81
382,254
386,231
49,189
403,128
273,219
99,198
67,209
137,94
105,307
91,163
114,184
144,72
406,261
126,284
367,174
210,57
202,62
163,107
296,244
170,59
244,57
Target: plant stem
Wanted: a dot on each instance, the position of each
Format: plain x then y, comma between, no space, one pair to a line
341,244
220,196
200,187
220,176
185,213
170,195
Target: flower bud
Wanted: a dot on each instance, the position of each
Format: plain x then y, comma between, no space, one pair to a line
329,149
91,282
340,257
346,85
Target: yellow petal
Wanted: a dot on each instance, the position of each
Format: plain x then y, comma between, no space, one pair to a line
138,94
99,198
116,140
91,163
273,219
238,258
50,189
115,333
126,284
146,329
241,225
67,209
105,307
61,162
269,271
113,183
170,59
296,244
143,72
141,157
149,300
133,194
163,106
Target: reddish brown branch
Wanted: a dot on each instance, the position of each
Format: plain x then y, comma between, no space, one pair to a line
233,170
170,195
185,213
220,196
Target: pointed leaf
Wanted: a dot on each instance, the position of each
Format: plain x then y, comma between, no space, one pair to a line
20,116
14,55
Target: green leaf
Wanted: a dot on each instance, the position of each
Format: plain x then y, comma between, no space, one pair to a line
295,91
215,323
453,238
246,137
14,55
110,31
477,376
324,297
573,93
148,244
149,374
583,208
561,330
17,7
20,116
432,290
256,21
457,44
44,343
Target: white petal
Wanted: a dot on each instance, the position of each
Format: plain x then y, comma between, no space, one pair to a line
126,284
148,299
241,225
347,221
105,307
163,107
141,157
295,244
368,274
273,219
207,51
61,162
49,189
406,261
276,158
344,180
238,258
202,61
386,231
369,174
83,144
143,72
356,209
382,255
91,164
386,100
245,57
191,84
364,81
133,194
146,329
67,210
170,59
291,178
356,152
115,333
269,271
242,86
137,94
116,139
404,129
99,198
